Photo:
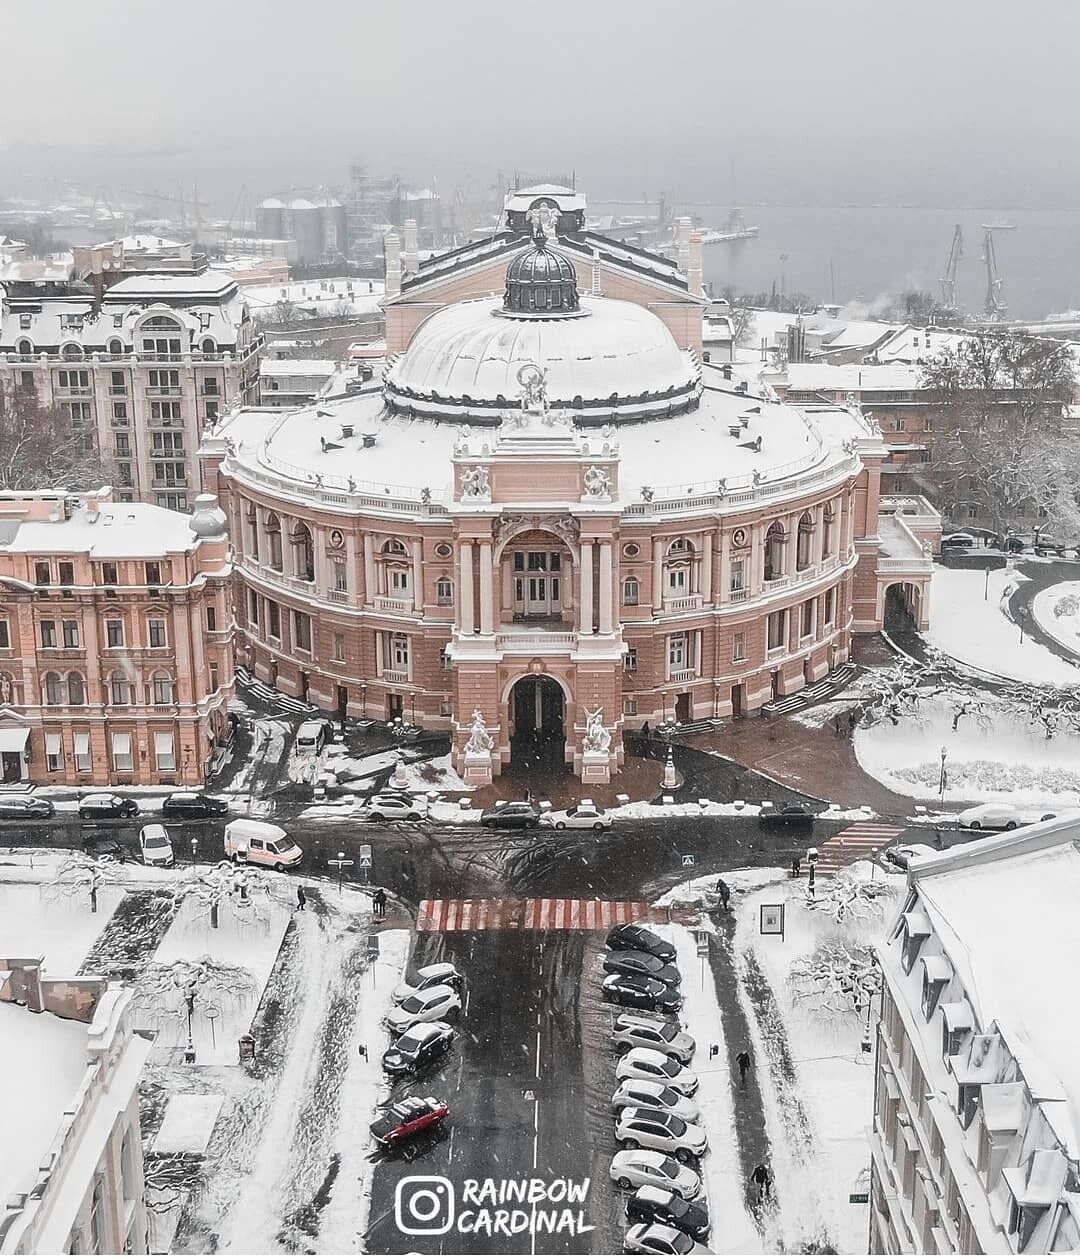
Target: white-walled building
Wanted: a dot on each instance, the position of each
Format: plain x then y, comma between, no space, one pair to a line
976,1137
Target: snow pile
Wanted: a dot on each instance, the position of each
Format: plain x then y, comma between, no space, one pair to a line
435,775
54,923
976,630
690,808
999,755
1057,612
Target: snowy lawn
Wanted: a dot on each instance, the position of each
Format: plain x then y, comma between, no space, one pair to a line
976,631
1002,756
39,920
815,1170
1057,613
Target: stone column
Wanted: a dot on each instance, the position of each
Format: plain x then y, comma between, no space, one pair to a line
657,575
507,575
756,576
819,534
791,546
585,622
466,603
485,587
696,661
724,593
606,591
350,565
706,566
418,575
369,569
379,653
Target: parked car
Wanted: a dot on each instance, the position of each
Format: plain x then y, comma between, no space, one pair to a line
429,977
649,1064
25,808
640,1127
631,962
1001,817
658,1096
635,1018
1052,546
155,846
261,843
667,1037
430,1006
193,804
515,813
408,1118
104,804
632,1169
579,817
660,1239
311,737
954,541
650,1205
419,1047
796,815
633,936
388,806
902,855
642,992
1011,543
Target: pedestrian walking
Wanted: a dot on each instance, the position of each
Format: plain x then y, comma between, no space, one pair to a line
796,864
528,795
852,721
836,723
378,903
762,1177
646,733
724,892
742,1061
301,898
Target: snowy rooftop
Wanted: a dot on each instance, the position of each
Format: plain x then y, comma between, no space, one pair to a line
362,295
183,284
297,367
1022,978
116,531
43,1060
852,377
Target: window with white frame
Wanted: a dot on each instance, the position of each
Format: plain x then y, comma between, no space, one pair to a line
253,607
339,646
445,662
302,631
119,690
444,592
162,688
777,629
341,576
211,618
76,686
629,706
399,652
678,579
156,631
54,690
121,753
678,651
804,542
81,745
48,633
630,660
114,633
54,751
164,756
806,627
273,619
399,582
5,632
738,646
631,591
71,633
830,606
738,575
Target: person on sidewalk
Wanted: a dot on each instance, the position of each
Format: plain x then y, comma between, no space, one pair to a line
724,892
378,903
762,1177
646,733
742,1061
796,865
301,898
836,723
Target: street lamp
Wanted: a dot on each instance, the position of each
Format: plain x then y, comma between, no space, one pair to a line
944,754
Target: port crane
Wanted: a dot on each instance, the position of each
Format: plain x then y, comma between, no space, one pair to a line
948,280
995,306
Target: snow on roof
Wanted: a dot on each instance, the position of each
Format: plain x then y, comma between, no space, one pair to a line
116,531
1003,1106
148,243
43,1060
207,283
297,367
851,333
852,377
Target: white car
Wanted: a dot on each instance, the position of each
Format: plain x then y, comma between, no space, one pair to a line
429,1006
631,1169
427,977
658,1096
649,1064
388,807
640,1127
660,1239
579,817
902,855
155,846
1001,817
666,1036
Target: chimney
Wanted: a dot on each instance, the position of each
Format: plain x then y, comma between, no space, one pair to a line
392,247
412,251
682,244
693,274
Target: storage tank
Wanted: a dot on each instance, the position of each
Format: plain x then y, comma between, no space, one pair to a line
334,237
269,219
307,230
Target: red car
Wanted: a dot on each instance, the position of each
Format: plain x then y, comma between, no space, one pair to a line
408,1118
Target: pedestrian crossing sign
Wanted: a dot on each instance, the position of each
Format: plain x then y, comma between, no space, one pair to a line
688,859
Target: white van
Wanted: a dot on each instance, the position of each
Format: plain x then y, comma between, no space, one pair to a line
310,738
261,844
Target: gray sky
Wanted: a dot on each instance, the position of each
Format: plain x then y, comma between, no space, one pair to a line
819,101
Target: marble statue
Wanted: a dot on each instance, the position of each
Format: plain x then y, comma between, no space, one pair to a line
533,381
475,484
597,737
480,742
597,483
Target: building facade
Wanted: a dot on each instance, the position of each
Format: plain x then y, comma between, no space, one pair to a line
552,512
116,628
975,1147
72,1176
140,346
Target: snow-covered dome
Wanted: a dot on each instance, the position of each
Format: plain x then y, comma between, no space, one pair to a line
619,363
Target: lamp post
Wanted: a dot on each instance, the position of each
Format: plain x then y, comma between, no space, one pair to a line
944,754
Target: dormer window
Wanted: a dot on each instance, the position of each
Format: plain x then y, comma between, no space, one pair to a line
936,974
26,322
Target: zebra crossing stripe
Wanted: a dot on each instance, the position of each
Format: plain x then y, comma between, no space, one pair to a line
533,914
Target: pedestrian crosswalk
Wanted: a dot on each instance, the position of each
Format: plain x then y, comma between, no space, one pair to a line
533,914
855,843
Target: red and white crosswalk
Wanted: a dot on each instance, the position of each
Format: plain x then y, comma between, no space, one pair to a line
855,843
539,914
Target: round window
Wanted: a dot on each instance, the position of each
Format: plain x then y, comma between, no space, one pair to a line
631,549
444,550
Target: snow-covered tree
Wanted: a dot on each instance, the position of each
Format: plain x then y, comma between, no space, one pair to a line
80,874
836,981
247,890
174,990
848,899
41,448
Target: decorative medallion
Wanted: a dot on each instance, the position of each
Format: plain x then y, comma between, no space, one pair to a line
337,538
738,537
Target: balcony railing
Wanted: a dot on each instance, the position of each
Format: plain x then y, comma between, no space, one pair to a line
163,391
739,594
683,675
534,639
684,603
387,603
395,675
338,596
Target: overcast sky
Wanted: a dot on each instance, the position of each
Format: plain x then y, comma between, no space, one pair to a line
817,101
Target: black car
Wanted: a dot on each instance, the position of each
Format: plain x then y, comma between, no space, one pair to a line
1051,546
520,813
632,936
641,992
193,804
652,1205
24,808
786,815
105,804
419,1047
630,962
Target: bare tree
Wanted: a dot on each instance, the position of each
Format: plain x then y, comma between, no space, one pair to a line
847,899
836,981
40,448
249,892
80,874
175,990
741,316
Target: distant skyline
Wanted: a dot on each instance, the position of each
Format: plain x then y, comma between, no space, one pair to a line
836,102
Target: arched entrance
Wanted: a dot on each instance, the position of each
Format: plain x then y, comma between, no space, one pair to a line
901,608
537,710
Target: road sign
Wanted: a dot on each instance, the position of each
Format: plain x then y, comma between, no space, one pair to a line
772,920
365,857
688,860
858,1197
373,948
702,938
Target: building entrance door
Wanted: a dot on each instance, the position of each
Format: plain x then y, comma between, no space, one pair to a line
537,584
11,766
682,707
343,701
538,708
737,700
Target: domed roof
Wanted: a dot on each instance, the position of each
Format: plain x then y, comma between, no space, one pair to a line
619,363
541,283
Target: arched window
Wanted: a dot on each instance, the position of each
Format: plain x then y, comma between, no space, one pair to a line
162,688
681,546
394,546
119,690
303,552
25,347
209,345
116,347
72,350
804,546
631,592
828,530
54,691
76,688
775,540
273,538
444,592
160,335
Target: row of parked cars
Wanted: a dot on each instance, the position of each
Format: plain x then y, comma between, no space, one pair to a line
424,1038
656,1119
104,805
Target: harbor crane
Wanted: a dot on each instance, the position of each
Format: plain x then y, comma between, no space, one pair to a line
948,280
995,306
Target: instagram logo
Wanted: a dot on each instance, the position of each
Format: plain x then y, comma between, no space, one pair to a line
424,1206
